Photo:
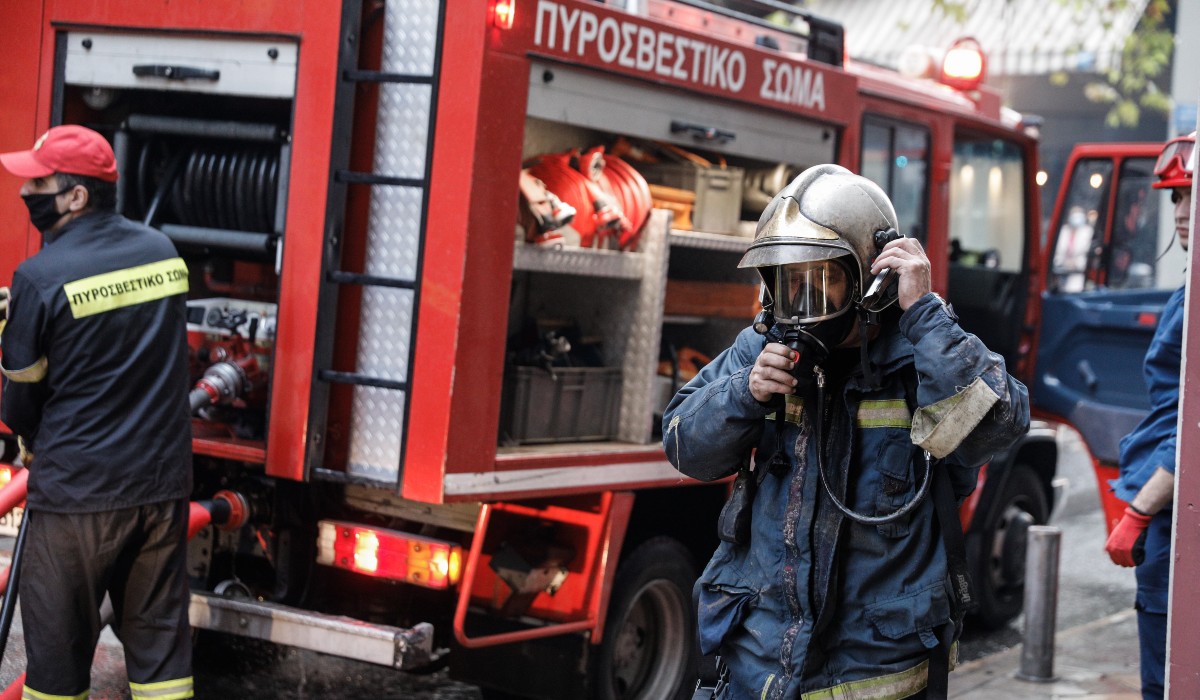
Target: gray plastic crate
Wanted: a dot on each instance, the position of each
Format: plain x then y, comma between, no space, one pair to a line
718,207
575,404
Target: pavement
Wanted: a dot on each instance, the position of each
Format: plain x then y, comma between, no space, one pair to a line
1097,660
1092,661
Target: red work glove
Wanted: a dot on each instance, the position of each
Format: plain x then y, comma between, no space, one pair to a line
1127,543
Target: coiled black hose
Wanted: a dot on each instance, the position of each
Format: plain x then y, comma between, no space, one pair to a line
230,186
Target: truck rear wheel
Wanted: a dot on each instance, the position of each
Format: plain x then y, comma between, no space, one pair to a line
649,650
999,575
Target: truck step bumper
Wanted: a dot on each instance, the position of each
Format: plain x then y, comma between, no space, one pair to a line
328,634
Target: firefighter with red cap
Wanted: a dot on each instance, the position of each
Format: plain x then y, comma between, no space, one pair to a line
95,381
1142,538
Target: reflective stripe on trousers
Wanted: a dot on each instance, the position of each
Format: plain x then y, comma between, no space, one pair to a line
177,689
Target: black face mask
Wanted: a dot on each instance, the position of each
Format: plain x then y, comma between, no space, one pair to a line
43,209
814,341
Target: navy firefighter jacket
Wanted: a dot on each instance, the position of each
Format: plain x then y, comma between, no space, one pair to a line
1152,443
95,367
815,601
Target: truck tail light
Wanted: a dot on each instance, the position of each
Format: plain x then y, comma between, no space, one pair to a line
502,13
389,554
962,67
6,474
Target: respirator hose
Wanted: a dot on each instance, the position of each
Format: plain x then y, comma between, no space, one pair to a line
900,512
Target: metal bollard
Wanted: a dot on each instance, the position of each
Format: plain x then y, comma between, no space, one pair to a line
1041,603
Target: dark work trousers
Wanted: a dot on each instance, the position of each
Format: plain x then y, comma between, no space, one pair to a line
1153,580
138,556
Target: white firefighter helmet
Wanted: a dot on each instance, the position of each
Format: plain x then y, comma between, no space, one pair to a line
820,231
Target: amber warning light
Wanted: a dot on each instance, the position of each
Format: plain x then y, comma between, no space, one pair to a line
389,554
502,13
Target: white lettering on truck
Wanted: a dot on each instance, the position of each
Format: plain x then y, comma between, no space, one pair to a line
573,30
792,84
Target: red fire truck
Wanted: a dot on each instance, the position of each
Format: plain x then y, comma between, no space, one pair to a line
1112,262
430,401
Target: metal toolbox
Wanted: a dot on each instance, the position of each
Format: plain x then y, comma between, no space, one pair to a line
718,191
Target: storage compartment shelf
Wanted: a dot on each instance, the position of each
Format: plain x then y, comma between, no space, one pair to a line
711,299
579,261
701,240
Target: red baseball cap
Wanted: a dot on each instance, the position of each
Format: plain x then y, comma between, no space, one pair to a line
70,149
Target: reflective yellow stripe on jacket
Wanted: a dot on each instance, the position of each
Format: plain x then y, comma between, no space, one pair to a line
120,288
893,686
27,375
884,413
793,409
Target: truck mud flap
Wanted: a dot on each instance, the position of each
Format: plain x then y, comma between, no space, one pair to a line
328,634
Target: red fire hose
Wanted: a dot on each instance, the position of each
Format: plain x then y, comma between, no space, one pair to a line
609,196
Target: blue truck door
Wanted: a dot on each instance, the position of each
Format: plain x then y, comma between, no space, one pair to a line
1111,268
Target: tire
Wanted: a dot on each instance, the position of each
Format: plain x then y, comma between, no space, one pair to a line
649,651
998,572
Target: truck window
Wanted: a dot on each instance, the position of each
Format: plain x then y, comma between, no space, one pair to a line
1134,258
895,156
987,204
1085,208
987,240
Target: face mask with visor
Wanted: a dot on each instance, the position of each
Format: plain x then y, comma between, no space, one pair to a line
809,292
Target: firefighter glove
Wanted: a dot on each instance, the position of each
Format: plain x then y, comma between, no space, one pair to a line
1127,543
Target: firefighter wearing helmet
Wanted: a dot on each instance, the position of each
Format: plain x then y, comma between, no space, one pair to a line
1142,538
867,410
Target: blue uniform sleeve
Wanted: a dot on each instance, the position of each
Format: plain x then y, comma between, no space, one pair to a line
23,359
713,423
969,407
1164,455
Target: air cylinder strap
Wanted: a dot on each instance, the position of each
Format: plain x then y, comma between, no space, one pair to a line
961,598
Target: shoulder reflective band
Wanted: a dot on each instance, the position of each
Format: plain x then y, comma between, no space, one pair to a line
128,287
884,413
30,375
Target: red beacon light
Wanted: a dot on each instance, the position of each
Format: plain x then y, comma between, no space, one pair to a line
963,64
502,13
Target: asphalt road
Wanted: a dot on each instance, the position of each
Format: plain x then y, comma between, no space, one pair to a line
1090,587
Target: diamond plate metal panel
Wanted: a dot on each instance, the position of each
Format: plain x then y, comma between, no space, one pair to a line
376,432
639,390
410,36
578,261
626,312
402,129
395,239
383,338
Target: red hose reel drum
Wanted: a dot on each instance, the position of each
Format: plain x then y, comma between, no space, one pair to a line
612,200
